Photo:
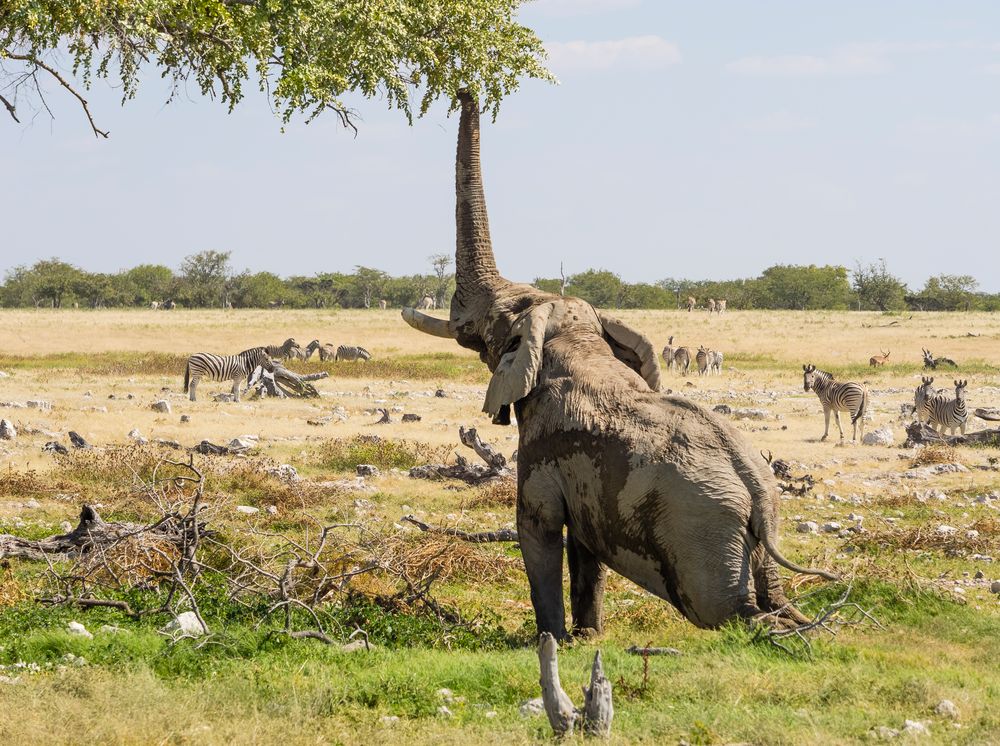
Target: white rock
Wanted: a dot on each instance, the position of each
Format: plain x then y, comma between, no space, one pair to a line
272,509
995,586
807,527
110,629
946,708
7,430
355,646
446,694
915,728
284,472
531,707
945,530
186,623
38,404
881,436
389,719
831,527
75,628
445,712
242,443
247,509
135,435
33,504
884,733
161,406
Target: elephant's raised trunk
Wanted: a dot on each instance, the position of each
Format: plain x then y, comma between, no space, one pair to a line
475,267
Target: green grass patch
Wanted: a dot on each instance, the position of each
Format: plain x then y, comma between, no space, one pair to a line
344,454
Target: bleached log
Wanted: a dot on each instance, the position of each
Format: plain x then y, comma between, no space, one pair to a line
598,710
558,706
470,438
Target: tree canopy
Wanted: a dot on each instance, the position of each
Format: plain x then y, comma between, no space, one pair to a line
307,55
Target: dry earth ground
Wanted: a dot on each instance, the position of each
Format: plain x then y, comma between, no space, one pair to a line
942,636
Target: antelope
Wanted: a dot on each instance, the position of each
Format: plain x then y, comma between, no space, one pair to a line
878,360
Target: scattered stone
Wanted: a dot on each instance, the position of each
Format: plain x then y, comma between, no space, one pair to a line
33,504
185,418
412,418
915,728
77,440
161,405
947,709
444,712
995,586
74,660
881,436
284,472
247,509
446,694
135,435
242,443
440,394
367,470
110,629
168,444
186,623
38,404
945,530
389,719
980,575
9,680
722,409
531,707
807,527
75,628
57,447
7,430
831,527
272,509
340,414
223,397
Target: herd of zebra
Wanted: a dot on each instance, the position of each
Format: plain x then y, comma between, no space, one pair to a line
240,367
679,359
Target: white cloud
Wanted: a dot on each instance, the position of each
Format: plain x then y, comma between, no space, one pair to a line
565,8
780,122
635,53
869,58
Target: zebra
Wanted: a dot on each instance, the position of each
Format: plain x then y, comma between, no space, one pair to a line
720,307
668,353
949,413
715,365
690,303
346,352
924,393
225,368
307,353
327,352
703,357
383,304
710,305
285,350
837,397
682,359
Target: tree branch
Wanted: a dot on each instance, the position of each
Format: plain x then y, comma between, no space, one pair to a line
63,82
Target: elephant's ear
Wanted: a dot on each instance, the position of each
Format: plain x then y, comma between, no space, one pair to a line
632,348
517,373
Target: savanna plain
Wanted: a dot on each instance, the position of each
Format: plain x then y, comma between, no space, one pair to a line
449,623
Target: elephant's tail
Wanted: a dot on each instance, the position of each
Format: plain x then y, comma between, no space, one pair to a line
762,523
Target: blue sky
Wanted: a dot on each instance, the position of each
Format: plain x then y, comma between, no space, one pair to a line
700,140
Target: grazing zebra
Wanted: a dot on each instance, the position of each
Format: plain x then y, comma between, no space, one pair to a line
703,357
235,368
682,359
837,397
716,362
691,302
720,307
924,393
283,351
346,352
668,353
949,413
327,352
307,353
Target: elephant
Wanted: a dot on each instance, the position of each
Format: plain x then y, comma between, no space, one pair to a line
652,486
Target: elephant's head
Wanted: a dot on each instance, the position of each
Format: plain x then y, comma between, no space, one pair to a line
508,323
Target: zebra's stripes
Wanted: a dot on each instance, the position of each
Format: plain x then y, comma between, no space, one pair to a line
703,358
236,368
347,352
668,353
715,364
949,413
837,397
924,393
682,359
285,350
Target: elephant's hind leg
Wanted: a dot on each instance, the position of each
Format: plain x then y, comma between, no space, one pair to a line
771,596
587,578
540,519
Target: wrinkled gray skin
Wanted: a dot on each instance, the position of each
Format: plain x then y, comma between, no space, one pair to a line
652,486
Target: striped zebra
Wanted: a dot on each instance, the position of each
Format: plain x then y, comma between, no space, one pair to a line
347,352
703,358
327,352
837,397
949,413
682,359
715,364
668,353
299,354
235,368
924,393
285,350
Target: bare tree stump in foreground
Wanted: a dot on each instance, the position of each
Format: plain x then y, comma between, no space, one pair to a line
496,464
598,710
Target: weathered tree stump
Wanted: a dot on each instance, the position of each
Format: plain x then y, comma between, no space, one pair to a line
919,433
283,383
598,709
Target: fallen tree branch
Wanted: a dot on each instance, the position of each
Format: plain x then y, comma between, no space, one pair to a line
495,468
481,537
919,433
646,650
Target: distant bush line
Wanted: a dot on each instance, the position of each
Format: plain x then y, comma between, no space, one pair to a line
206,280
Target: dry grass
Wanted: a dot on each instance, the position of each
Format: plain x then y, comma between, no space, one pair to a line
447,558
936,453
501,493
981,536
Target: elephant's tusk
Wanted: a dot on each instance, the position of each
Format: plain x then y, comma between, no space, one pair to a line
428,324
